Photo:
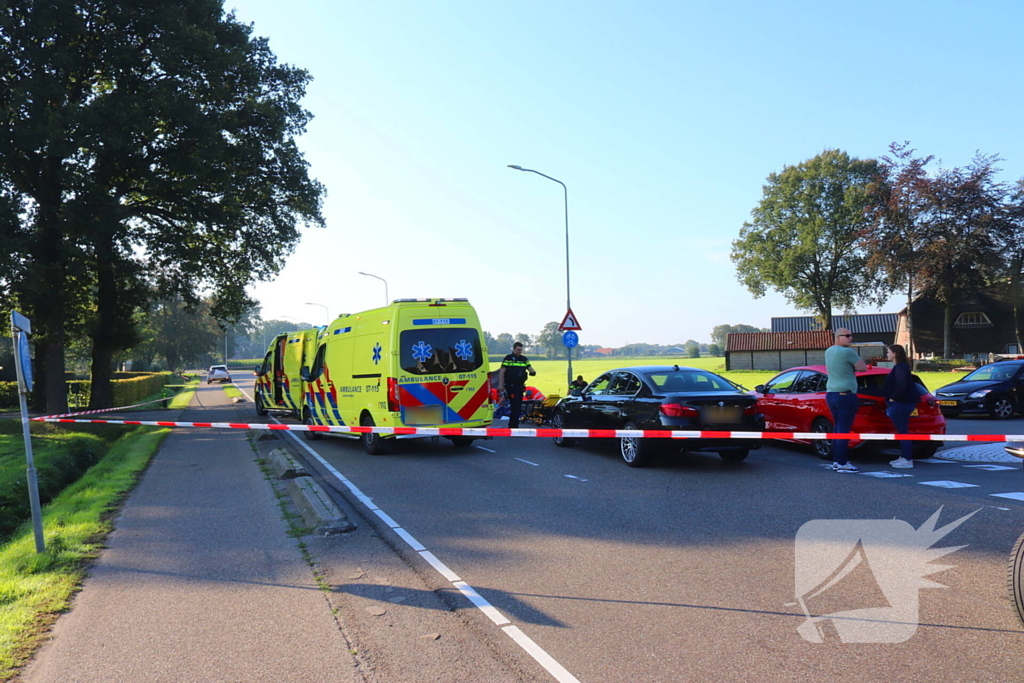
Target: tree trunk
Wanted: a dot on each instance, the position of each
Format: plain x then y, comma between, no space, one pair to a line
947,331
104,342
911,354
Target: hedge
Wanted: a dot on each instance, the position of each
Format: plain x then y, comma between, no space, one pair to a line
133,388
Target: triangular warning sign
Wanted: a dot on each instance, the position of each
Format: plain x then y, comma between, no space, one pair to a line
569,322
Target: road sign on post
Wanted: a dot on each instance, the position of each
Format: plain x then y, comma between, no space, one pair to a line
21,328
570,339
569,322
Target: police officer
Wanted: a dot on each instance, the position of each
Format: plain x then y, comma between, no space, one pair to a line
513,377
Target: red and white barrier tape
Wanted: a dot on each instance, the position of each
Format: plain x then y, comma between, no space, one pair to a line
106,410
546,432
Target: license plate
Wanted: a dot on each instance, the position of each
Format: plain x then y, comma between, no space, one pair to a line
946,403
424,415
721,415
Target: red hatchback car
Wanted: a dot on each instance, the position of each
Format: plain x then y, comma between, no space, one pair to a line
794,401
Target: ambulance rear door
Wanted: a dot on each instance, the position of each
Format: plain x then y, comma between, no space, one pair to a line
442,370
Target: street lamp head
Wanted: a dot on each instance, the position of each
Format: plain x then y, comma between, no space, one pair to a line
518,168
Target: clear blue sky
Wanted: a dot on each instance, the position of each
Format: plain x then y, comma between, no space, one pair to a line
662,118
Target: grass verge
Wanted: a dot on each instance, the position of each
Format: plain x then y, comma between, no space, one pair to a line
184,397
232,391
36,588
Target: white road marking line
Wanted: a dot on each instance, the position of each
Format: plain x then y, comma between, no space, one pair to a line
549,663
387,519
991,468
527,462
885,475
485,449
440,566
942,484
482,604
573,476
542,657
1012,496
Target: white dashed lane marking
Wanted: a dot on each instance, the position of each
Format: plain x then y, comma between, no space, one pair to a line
943,484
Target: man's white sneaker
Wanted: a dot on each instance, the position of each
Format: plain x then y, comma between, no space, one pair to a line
848,467
902,463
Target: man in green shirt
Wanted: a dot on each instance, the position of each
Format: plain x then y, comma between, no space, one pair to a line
842,363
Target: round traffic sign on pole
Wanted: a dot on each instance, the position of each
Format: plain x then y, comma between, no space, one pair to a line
570,339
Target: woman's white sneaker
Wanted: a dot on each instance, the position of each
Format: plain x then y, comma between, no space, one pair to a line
902,463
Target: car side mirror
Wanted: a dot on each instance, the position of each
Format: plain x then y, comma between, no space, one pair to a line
304,373
759,388
258,369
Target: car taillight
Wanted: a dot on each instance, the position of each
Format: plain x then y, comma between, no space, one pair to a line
678,410
393,404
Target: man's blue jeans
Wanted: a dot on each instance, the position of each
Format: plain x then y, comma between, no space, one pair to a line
843,408
899,413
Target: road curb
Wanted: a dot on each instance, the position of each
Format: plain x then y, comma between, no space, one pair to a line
284,466
317,508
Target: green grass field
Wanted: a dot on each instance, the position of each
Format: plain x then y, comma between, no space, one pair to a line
36,588
551,374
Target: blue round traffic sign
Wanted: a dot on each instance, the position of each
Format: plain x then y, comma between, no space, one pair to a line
570,339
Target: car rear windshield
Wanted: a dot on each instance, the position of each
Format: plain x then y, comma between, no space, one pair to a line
871,385
996,372
440,350
689,381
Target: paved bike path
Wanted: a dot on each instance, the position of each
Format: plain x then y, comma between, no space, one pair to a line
200,581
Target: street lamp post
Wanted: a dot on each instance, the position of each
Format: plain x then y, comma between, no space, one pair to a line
568,305
387,299
326,310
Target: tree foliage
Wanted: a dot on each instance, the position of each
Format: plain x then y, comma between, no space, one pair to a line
142,143
945,234
803,240
720,332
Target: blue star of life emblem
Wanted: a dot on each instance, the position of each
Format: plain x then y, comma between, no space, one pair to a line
464,350
421,351
376,353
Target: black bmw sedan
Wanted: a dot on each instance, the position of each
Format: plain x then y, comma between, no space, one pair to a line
662,397
996,389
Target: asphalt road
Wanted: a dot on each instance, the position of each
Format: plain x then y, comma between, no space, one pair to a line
687,570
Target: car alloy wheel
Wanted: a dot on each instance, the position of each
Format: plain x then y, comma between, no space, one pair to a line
636,451
1001,408
558,422
822,447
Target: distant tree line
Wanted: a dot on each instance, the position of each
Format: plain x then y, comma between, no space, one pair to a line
835,232
548,344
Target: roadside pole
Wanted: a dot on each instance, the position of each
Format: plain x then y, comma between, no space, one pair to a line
21,328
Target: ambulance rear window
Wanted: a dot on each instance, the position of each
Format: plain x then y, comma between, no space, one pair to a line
427,351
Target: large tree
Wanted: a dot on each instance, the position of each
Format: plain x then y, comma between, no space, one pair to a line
144,141
551,340
964,221
897,234
1013,256
803,237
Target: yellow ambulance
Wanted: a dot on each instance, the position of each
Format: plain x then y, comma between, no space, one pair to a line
414,363
279,384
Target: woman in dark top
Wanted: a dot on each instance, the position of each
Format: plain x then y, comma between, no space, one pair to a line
901,398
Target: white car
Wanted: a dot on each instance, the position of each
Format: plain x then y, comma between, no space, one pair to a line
218,373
